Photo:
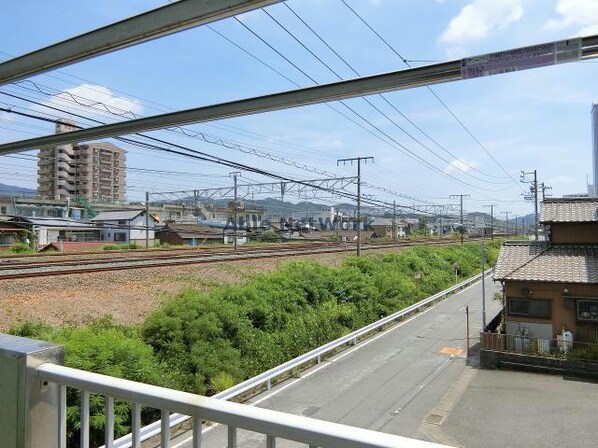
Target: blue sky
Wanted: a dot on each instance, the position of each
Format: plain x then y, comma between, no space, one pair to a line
537,119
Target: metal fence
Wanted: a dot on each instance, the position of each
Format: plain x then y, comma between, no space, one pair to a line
266,379
34,385
561,348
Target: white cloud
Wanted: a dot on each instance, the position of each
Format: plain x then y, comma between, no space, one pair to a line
578,13
93,96
461,165
477,19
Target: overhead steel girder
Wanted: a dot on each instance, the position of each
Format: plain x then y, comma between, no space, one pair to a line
246,190
484,65
168,19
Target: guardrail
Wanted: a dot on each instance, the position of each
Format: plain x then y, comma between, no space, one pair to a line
275,425
266,378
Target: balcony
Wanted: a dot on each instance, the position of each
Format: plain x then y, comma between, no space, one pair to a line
34,389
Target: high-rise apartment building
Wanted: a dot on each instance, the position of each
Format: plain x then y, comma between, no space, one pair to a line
93,170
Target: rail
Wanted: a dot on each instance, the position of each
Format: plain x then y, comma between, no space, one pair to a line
316,355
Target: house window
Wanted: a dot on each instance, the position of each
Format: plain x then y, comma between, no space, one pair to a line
540,308
587,310
120,237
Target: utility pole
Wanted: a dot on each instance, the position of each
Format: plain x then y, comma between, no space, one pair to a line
533,196
358,160
394,222
147,219
507,218
234,176
460,196
491,219
483,284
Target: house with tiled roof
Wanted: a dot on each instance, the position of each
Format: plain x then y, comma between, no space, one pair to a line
551,287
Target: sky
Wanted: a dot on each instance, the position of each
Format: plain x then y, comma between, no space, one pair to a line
470,137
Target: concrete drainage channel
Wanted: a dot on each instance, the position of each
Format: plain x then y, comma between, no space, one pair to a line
276,375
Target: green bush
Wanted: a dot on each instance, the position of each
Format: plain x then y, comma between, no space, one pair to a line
269,236
21,248
104,348
588,353
126,246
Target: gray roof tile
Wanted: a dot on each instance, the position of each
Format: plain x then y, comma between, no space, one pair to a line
569,210
528,261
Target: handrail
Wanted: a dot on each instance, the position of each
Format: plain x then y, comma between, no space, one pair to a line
273,423
266,377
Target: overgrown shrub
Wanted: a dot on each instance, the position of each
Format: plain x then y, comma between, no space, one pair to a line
588,353
269,236
21,248
102,347
126,246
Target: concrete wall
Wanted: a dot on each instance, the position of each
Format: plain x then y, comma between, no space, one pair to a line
517,361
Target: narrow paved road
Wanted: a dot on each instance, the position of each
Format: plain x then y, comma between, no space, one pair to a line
404,381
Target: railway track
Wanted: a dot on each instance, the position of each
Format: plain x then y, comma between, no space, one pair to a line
86,264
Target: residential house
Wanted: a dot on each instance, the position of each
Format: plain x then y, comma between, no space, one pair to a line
189,234
383,228
126,226
551,287
11,232
52,230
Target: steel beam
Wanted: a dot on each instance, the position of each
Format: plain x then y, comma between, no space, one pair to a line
159,22
245,190
397,80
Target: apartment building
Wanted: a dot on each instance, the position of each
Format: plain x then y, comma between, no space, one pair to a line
92,170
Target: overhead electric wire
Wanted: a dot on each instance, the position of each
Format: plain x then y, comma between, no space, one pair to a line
385,99
433,92
397,144
37,88
206,157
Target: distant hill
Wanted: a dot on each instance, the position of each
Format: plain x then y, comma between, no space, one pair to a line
12,190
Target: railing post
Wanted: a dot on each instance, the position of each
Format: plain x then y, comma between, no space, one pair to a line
29,414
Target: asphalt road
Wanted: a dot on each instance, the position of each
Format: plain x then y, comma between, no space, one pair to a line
404,381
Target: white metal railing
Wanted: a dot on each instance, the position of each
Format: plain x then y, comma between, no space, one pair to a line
266,378
275,425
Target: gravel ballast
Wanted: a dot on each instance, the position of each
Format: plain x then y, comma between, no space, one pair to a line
128,296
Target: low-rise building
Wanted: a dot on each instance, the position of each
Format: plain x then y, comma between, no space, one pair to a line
551,287
383,228
12,232
189,234
126,226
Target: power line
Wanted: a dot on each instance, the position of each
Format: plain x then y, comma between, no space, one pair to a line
433,92
215,140
206,157
396,145
384,97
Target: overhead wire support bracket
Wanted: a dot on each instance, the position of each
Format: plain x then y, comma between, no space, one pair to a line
483,65
247,190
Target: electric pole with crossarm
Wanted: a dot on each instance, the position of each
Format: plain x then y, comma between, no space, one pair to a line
358,160
460,196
